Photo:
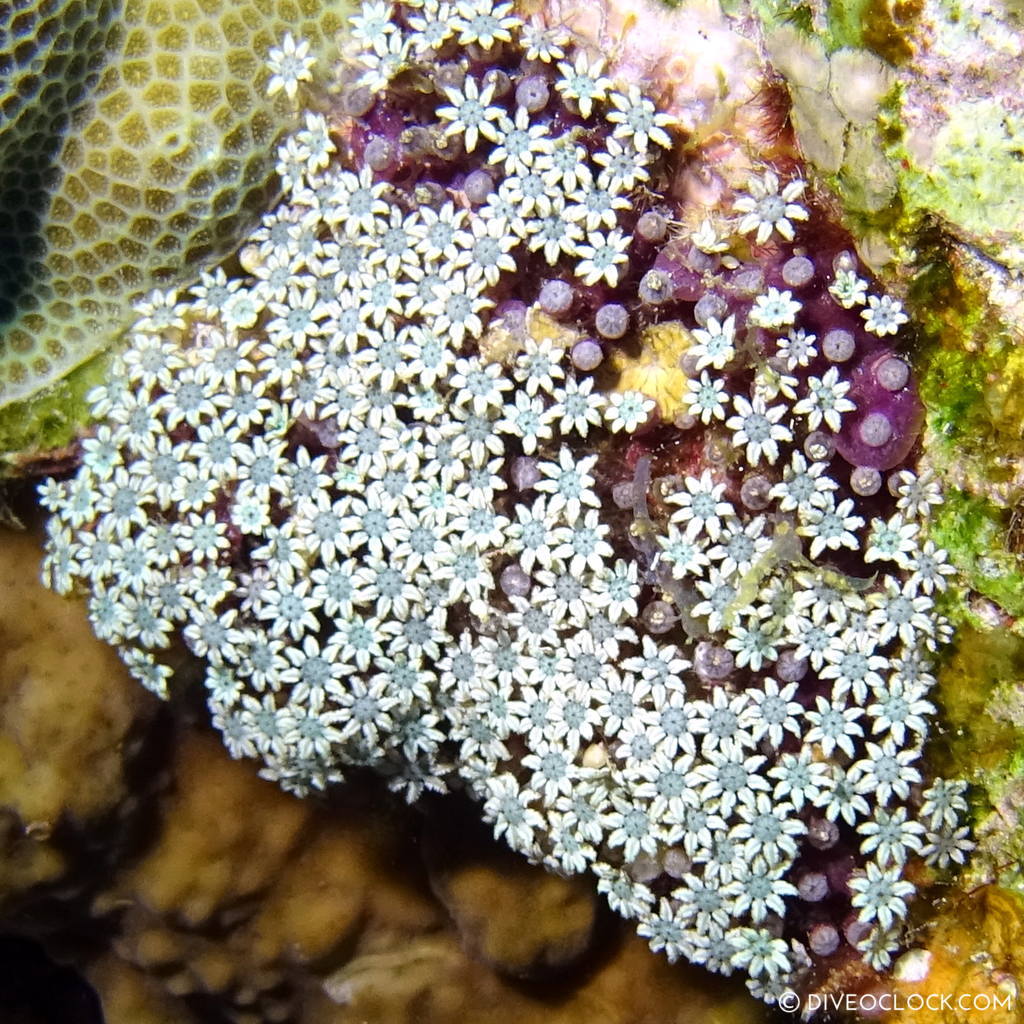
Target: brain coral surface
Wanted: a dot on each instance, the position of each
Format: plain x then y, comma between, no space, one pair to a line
134,140
484,472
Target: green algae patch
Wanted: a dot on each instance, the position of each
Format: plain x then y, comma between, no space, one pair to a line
972,384
1003,395
953,389
966,351
969,173
774,13
974,532
982,667
50,420
983,707
874,25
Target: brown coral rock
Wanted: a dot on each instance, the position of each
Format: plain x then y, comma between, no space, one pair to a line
972,969
224,839
248,894
67,715
132,997
519,919
516,917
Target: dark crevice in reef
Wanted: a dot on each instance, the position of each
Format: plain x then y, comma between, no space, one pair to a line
34,989
52,930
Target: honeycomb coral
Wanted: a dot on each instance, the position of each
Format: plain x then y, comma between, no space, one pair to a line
135,140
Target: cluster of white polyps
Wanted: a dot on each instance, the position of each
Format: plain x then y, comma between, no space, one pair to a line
396,529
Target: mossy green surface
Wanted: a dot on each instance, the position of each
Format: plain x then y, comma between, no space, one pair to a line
51,419
961,345
982,662
874,25
971,178
983,741
974,532
971,374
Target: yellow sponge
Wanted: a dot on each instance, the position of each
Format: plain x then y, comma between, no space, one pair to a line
136,144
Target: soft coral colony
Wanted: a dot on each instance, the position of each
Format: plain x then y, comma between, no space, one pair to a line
385,484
